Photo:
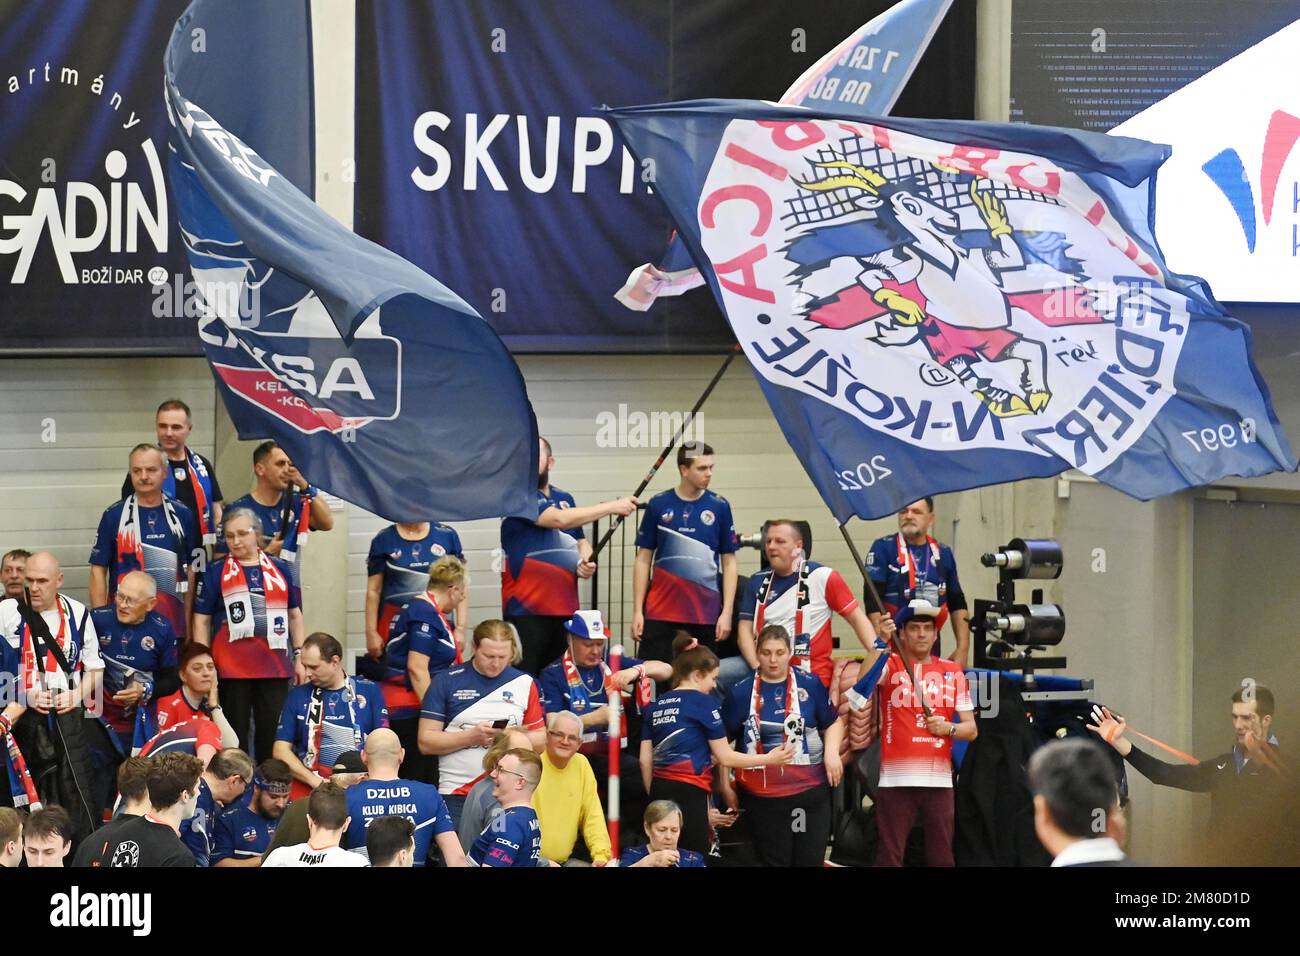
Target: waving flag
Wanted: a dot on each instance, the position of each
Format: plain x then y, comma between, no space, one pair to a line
384,387
932,306
863,76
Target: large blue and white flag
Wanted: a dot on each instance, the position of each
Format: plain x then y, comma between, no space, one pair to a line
932,306
384,387
863,76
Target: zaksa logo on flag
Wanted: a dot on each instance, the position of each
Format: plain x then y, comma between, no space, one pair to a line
1227,171
946,295
291,362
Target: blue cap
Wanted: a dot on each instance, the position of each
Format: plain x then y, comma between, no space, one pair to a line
917,607
588,624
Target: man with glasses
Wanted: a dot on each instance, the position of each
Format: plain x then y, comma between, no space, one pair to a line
566,799
223,782
514,838
150,532
138,647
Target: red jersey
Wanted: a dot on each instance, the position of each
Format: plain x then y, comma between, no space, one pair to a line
911,756
175,709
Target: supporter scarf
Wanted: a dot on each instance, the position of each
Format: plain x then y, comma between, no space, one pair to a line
907,563
799,638
69,643
301,526
145,725
130,550
428,596
21,786
578,691
316,725
239,601
793,720
201,482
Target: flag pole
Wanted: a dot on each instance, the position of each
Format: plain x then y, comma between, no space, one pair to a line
663,456
899,647
615,707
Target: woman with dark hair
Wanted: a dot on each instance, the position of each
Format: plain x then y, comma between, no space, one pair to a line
781,705
683,736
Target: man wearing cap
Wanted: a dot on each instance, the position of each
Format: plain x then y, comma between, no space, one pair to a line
348,770
579,681
912,564
917,729
244,831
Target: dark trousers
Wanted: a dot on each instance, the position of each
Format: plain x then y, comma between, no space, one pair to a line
790,831
544,640
105,759
657,642
696,834
897,810
257,701
632,798
415,765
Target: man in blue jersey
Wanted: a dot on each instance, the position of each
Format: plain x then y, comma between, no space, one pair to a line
543,560
150,532
688,537
912,565
244,831
514,838
189,478
384,793
288,505
222,783
329,714
138,647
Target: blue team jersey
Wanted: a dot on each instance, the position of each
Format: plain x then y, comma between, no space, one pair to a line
419,628
348,714
273,522
418,802
514,838
687,538
405,566
540,576
636,854
131,653
936,577
240,833
680,725
816,715
196,831
556,694
166,555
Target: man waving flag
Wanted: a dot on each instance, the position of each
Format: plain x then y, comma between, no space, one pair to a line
944,305
380,383
863,75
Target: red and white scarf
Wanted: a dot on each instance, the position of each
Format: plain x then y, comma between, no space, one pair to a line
907,563
130,547
578,690
239,602
797,637
201,482
793,718
34,675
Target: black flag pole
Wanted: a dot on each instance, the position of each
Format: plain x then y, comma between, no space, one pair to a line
663,456
899,647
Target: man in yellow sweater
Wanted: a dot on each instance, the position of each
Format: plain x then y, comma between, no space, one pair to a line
566,800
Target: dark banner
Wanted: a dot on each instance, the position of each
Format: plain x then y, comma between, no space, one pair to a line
86,224
482,159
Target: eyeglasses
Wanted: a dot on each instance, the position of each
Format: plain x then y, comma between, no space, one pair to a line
123,598
500,769
566,738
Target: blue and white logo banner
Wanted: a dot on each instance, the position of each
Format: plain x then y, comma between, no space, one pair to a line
384,387
932,306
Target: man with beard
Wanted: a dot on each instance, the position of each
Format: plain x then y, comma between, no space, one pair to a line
244,831
543,561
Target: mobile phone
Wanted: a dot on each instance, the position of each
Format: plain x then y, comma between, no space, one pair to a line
501,724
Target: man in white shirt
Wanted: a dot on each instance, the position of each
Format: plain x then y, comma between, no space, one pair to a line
327,819
1076,804
56,683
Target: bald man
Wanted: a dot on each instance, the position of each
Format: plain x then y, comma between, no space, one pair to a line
384,793
54,642
139,648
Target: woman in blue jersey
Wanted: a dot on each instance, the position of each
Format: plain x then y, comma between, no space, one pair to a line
663,827
781,705
682,737
422,644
